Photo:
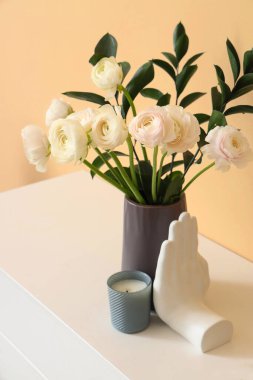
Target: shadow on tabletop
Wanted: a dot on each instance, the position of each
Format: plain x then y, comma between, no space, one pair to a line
234,301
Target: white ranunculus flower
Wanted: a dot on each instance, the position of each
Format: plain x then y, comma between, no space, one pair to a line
186,129
107,74
69,141
85,117
108,128
58,109
36,146
227,145
152,127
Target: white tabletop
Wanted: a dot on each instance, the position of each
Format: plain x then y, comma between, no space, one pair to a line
36,344
61,239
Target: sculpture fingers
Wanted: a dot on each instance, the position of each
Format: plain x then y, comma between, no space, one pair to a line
194,236
176,235
165,265
181,280
190,234
204,272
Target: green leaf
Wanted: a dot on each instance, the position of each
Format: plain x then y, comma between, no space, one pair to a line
216,99
193,59
106,46
117,96
174,183
178,31
182,46
202,117
243,86
95,59
166,168
143,76
187,100
144,176
219,73
98,162
225,92
248,62
125,68
239,109
202,138
165,66
199,160
217,118
188,159
181,41
171,58
109,174
88,96
151,93
164,100
183,78
234,60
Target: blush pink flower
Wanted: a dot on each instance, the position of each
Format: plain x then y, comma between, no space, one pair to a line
227,145
185,127
152,127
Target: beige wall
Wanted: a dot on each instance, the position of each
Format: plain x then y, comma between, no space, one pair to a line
45,47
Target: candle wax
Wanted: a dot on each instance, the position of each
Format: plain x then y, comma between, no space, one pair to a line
129,286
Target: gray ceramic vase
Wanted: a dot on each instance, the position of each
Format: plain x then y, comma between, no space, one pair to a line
145,228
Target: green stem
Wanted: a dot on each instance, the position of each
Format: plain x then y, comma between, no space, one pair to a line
197,175
139,168
128,97
192,161
110,167
107,179
154,194
131,160
144,152
160,172
128,181
172,162
131,103
136,155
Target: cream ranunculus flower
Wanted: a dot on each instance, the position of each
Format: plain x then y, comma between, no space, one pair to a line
108,128
107,74
69,141
85,117
36,146
58,109
152,127
227,145
186,129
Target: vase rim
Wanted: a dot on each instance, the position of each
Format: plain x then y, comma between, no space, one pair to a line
182,198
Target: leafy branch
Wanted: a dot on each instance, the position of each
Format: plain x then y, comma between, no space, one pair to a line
224,94
243,84
172,67
160,183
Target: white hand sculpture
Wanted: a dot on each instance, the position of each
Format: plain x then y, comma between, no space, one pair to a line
181,281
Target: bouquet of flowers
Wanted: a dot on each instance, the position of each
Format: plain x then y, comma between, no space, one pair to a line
160,139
